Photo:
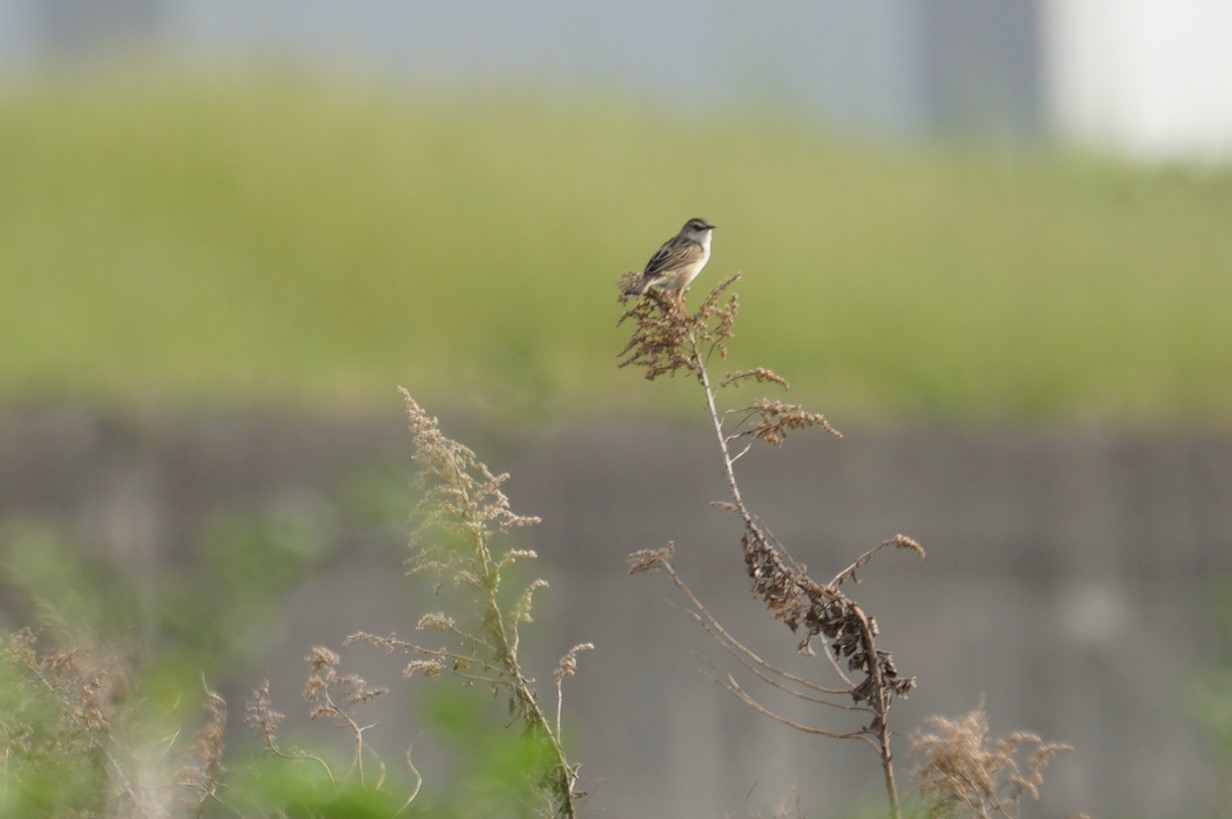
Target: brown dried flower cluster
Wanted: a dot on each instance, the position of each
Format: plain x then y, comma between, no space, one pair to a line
650,560
774,419
261,717
461,505
964,772
761,375
58,713
72,742
666,340
803,603
330,695
203,772
567,666
335,695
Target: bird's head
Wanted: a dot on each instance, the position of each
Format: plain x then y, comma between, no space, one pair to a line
697,229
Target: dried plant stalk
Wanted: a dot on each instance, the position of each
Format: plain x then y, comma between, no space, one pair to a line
666,341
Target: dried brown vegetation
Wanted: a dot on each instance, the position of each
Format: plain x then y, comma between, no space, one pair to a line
963,771
67,712
667,341
71,743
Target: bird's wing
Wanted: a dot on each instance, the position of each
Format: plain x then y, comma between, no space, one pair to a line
674,254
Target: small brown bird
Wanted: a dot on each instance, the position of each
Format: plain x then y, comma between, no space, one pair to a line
678,261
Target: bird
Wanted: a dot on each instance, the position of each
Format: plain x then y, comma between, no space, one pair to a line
677,262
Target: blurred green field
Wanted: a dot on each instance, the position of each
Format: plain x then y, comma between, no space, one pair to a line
177,240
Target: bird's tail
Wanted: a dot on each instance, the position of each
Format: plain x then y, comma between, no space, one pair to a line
637,289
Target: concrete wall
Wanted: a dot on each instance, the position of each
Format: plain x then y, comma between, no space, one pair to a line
1067,582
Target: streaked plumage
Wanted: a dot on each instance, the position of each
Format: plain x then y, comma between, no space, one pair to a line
678,261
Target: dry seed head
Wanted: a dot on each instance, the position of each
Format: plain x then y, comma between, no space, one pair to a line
761,375
904,542
321,658
429,668
521,609
462,489
962,771
649,560
356,690
204,765
261,717
435,621
567,666
775,419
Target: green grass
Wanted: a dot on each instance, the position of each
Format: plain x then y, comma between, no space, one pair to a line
178,240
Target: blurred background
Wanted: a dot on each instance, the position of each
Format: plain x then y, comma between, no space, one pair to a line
989,240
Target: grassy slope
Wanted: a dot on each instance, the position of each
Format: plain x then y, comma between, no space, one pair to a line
182,240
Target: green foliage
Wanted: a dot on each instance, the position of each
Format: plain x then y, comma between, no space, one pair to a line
302,790
491,773
52,764
223,609
98,704
73,592
1209,700
498,772
1211,693
185,239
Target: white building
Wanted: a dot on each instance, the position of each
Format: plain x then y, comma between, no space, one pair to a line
1150,78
